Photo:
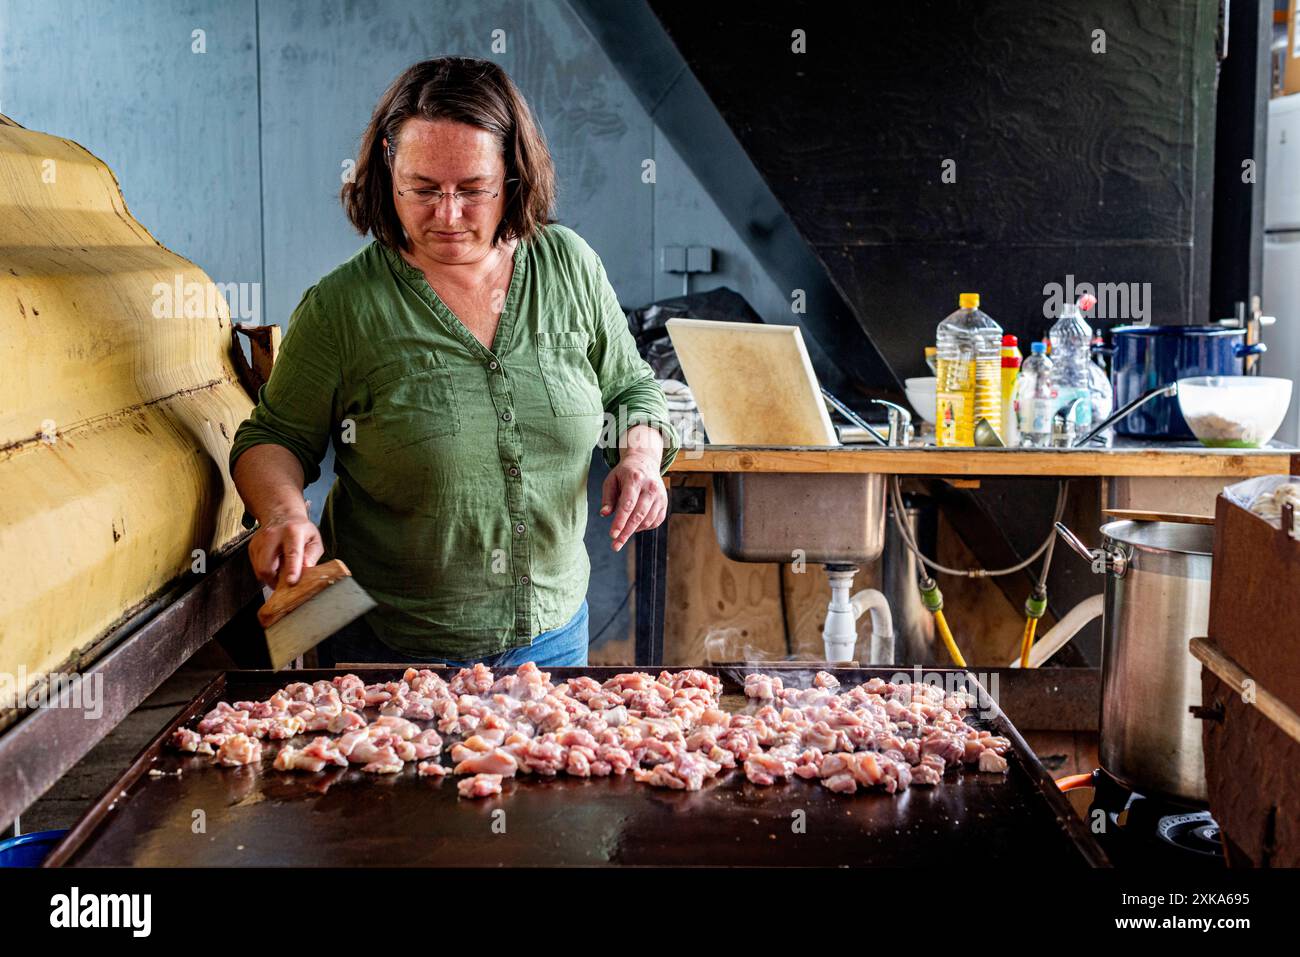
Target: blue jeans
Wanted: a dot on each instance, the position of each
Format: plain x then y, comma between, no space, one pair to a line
561,647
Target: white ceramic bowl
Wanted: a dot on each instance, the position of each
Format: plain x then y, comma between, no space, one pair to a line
920,393
1234,411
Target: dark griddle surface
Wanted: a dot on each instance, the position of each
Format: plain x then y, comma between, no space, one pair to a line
341,817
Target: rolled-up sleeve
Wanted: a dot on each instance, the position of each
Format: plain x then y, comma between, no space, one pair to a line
295,408
628,388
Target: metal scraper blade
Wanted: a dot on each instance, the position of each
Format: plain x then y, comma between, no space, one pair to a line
315,620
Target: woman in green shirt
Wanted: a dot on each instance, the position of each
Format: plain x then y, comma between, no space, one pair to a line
463,365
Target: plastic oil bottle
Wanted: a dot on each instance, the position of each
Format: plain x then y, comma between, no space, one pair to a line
968,376
1010,372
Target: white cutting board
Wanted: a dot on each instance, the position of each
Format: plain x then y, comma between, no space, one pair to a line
753,383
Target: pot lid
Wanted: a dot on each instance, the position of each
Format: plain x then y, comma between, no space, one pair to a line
1172,330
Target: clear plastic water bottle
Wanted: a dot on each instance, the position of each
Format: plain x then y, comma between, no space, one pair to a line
968,373
1036,398
1071,358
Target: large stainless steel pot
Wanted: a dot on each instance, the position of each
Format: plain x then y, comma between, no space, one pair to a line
1157,597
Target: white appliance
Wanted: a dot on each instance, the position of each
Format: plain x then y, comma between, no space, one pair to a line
1281,294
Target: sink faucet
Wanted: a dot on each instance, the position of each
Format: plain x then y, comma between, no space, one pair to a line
900,420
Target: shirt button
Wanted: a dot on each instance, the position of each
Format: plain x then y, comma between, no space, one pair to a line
519,529
514,472
506,416
523,580
493,365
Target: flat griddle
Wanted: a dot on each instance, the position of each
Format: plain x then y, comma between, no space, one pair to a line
253,816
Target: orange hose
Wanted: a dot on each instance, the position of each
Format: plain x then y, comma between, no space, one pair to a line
1072,781
1027,640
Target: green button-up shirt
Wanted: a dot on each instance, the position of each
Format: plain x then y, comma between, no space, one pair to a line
460,500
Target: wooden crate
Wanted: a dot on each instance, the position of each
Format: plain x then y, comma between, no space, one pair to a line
1252,759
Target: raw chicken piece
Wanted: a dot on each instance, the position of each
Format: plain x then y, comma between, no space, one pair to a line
926,774
474,681
693,678
809,764
947,746
479,786
652,751
223,719
897,775
762,687
576,736
430,769
239,749
370,745
866,769
543,756
498,762
632,681
480,743
282,727
687,771
383,767
183,739
579,763
255,709
426,744
764,769
842,783
406,730
619,760
742,742
313,758
992,762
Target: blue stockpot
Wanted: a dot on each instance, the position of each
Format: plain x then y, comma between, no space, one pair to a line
1146,357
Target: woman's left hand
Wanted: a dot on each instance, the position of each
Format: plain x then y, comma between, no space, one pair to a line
633,491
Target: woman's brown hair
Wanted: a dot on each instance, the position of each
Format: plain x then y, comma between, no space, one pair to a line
465,90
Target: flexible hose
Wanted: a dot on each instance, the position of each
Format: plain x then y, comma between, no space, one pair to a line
896,499
1051,539
1027,639
948,641
1037,602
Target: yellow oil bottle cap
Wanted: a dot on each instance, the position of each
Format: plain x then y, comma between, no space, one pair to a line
969,300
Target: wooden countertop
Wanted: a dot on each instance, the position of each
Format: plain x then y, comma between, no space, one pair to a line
1123,459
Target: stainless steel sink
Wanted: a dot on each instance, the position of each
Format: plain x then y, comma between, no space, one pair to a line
784,516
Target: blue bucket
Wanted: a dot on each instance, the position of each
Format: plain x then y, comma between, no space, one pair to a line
28,850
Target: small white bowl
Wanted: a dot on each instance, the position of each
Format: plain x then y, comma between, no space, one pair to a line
920,392
1234,411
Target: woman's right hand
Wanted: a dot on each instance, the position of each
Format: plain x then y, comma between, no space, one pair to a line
282,548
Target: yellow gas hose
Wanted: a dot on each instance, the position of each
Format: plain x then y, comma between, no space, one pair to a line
948,642
1035,606
932,598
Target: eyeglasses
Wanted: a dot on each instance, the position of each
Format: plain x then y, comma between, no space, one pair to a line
466,197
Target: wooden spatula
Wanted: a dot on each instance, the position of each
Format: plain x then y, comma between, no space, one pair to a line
298,617
1141,515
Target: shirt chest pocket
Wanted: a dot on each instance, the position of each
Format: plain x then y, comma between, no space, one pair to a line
571,382
412,399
